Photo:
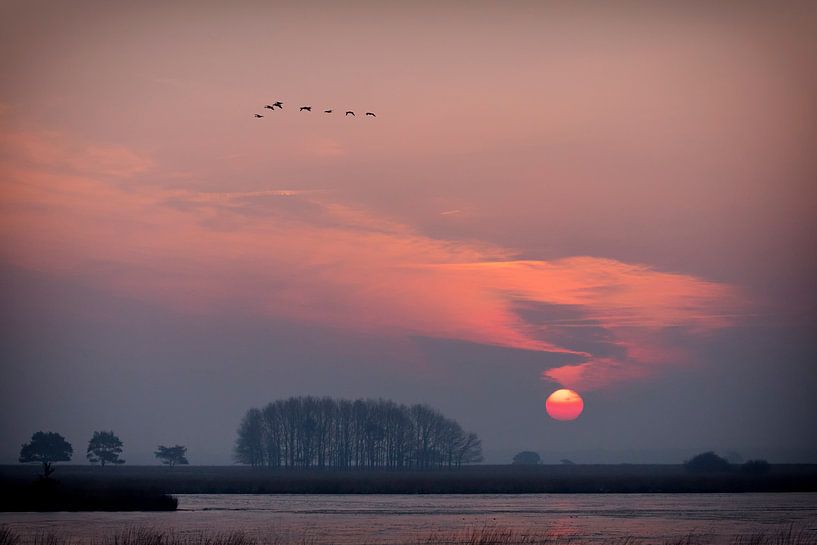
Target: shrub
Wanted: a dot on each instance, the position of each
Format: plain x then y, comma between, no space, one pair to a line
707,462
527,458
756,467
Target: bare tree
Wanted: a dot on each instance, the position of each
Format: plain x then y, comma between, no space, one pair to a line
249,445
470,451
306,432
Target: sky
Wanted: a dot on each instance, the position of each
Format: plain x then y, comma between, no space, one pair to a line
618,200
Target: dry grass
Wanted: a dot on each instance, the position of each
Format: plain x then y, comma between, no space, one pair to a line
487,535
7,537
132,536
145,536
789,536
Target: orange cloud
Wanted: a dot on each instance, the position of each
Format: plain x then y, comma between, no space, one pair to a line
303,257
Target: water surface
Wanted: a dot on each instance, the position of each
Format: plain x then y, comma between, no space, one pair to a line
352,519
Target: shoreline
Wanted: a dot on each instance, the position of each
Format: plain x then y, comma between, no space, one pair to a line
578,479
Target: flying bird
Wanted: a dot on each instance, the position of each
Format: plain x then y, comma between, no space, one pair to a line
258,115
371,114
268,107
307,108
327,111
350,112
279,104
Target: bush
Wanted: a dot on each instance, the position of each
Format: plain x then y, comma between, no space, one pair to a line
756,467
527,458
707,462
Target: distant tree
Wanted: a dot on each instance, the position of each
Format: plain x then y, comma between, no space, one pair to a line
527,458
307,432
567,462
46,448
756,467
470,450
104,448
707,462
171,456
249,446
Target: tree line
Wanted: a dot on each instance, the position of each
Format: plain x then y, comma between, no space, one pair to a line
104,447
309,432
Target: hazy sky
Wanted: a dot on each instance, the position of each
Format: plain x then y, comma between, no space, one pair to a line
618,200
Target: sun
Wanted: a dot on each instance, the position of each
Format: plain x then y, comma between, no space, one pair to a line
564,405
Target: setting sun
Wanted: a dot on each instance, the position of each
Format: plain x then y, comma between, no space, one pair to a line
564,405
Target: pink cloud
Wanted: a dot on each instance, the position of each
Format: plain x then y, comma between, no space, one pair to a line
305,257
48,149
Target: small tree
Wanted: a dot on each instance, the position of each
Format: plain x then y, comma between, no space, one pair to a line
104,448
45,448
527,458
170,456
707,462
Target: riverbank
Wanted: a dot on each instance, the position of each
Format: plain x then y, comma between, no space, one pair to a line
53,495
591,479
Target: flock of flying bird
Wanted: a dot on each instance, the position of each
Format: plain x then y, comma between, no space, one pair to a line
280,106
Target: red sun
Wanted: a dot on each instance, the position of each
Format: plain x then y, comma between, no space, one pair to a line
564,404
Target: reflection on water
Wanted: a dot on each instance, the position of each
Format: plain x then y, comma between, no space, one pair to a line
352,519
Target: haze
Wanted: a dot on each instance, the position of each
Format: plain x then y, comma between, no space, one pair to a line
617,201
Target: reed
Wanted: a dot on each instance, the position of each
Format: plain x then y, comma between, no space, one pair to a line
486,535
7,537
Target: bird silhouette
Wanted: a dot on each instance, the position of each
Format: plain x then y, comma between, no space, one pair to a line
258,115
350,112
268,107
327,111
279,104
371,114
307,108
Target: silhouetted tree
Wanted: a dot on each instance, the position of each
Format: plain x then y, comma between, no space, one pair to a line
756,467
104,448
567,462
46,448
171,456
249,446
470,450
307,432
527,458
707,462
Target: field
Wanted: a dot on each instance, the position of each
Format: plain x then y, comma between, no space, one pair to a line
469,480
